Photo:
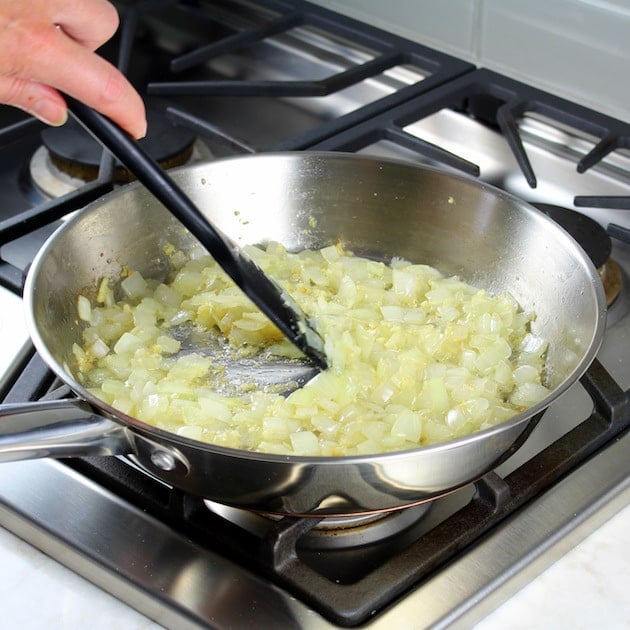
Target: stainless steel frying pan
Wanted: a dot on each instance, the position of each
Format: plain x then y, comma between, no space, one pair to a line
375,207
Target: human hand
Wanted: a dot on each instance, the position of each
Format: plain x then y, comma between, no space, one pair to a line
48,45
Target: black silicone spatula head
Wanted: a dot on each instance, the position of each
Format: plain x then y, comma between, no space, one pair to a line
264,292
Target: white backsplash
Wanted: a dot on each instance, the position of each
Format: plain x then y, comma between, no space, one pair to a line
578,49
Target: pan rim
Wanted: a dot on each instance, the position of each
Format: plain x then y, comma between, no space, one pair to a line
134,424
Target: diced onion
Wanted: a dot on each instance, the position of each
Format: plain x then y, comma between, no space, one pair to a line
134,285
416,358
84,308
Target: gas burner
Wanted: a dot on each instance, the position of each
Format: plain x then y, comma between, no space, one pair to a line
69,157
331,532
594,240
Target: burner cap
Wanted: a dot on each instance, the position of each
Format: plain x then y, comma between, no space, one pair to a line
591,236
75,152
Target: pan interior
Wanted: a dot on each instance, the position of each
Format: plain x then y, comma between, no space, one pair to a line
375,208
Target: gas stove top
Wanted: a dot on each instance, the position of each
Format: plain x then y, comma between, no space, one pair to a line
244,77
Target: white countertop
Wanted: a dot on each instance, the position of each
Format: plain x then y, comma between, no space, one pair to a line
587,588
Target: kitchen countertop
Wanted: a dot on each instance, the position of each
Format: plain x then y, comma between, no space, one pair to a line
586,588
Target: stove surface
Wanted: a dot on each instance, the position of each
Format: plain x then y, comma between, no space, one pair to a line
228,72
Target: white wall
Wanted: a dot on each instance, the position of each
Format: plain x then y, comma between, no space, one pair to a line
579,49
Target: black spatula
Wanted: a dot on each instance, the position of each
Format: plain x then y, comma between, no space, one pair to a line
272,300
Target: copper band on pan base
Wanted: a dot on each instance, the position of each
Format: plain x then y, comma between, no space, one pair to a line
593,239
610,273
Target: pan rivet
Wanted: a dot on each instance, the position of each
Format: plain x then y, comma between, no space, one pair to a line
163,460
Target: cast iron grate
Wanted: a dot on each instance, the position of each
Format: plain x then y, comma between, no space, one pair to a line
498,101
275,17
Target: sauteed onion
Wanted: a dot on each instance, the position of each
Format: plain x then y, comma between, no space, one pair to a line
417,358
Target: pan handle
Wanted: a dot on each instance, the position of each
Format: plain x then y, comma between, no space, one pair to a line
58,428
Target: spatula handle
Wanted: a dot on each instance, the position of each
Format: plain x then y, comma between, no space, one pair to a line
150,173
265,293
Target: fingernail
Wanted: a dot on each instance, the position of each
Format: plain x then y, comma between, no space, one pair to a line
49,112
143,131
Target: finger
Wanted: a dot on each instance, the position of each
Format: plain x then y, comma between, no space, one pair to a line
94,81
93,32
38,100
45,55
101,86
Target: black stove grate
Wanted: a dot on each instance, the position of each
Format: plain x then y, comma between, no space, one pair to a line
389,51
498,101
